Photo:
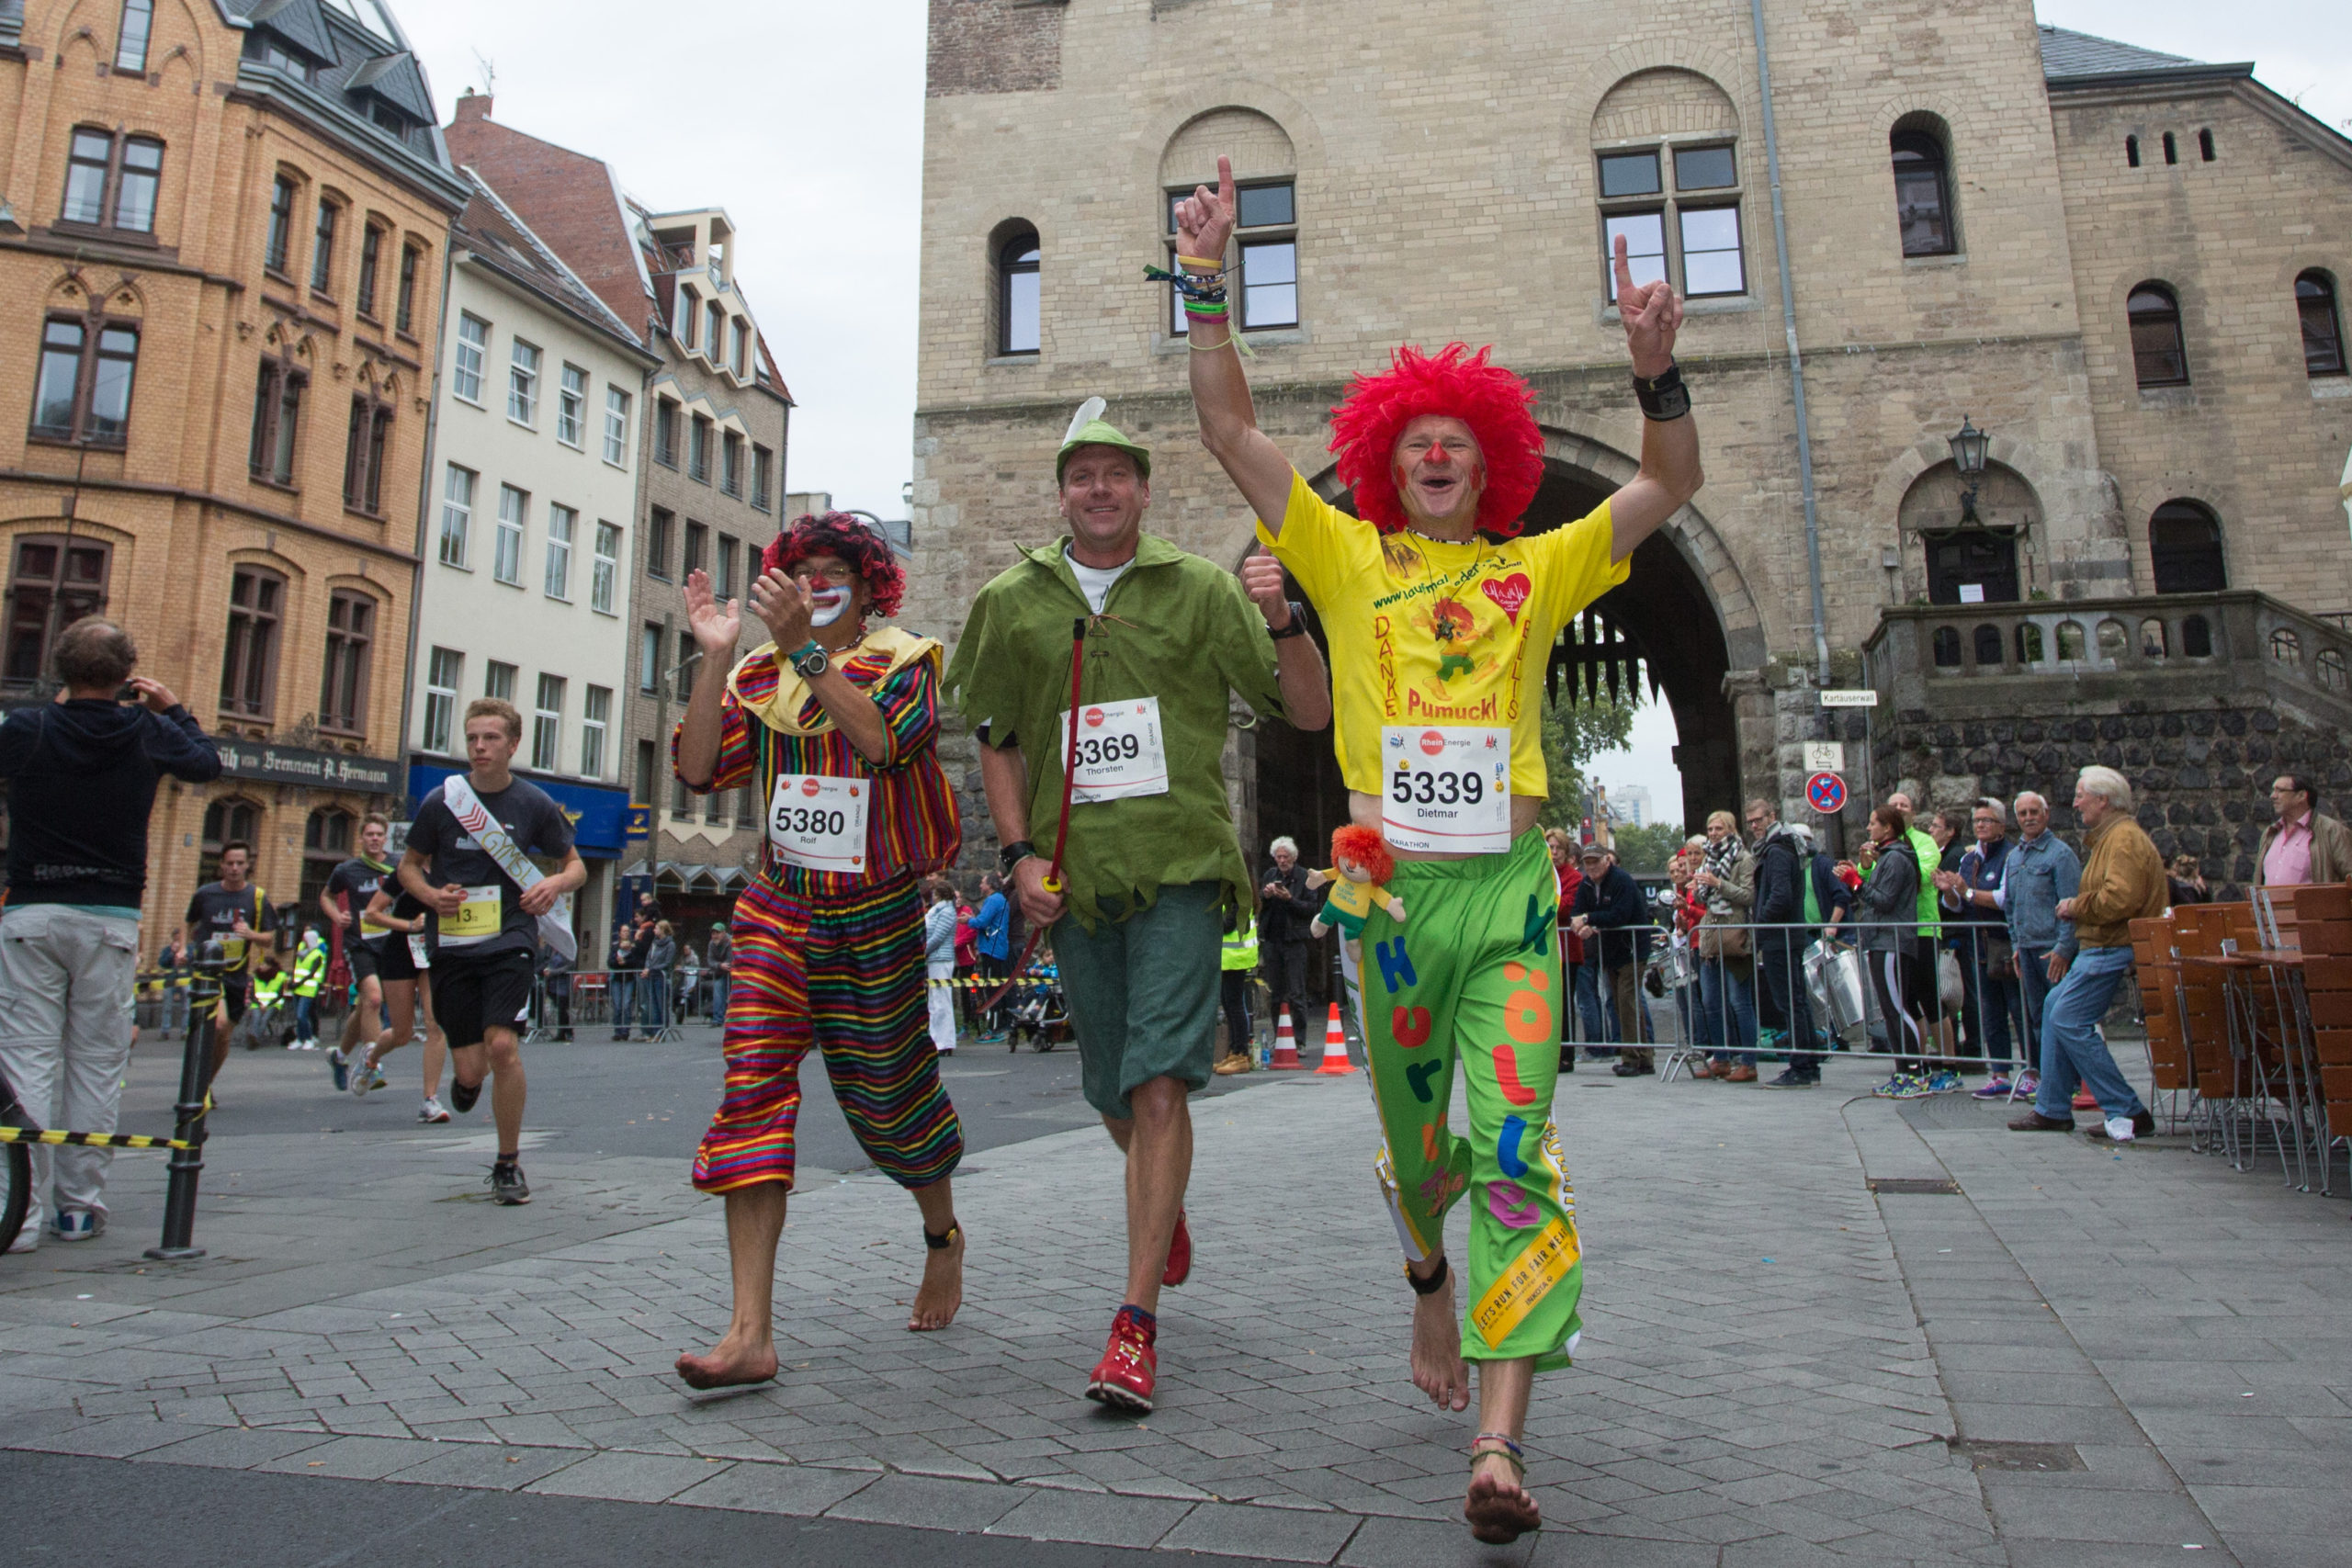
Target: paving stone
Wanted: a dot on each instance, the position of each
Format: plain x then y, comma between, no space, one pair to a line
492,1465
628,1477
1282,1535
235,1448
930,1504
1105,1521
777,1488
351,1459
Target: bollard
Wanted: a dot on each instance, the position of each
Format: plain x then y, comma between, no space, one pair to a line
196,1076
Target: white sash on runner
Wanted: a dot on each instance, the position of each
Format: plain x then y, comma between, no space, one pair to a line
555,926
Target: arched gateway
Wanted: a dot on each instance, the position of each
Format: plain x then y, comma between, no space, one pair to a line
1682,623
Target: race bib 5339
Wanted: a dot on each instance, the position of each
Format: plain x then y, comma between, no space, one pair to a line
1448,789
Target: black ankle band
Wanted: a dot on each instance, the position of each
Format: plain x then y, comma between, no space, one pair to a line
942,1243
1434,1283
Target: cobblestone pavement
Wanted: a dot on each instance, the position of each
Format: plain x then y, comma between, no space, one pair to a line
1774,1362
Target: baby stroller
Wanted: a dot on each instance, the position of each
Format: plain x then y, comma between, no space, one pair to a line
1037,1010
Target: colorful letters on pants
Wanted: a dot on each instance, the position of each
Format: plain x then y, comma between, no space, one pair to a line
843,972
1474,977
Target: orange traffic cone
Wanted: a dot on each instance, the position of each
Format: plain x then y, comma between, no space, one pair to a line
1285,1046
1335,1046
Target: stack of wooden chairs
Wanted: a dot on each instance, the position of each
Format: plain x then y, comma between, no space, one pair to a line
2323,933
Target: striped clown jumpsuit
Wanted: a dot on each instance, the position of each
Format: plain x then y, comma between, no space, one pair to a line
832,958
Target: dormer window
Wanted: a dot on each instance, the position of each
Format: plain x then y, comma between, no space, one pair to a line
266,49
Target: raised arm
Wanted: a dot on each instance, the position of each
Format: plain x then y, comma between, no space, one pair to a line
715,623
1671,473
1220,392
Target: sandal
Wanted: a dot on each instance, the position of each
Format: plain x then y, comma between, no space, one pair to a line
1495,1519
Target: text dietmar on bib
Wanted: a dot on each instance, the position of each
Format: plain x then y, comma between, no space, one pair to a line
1448,789
817,822
1118,752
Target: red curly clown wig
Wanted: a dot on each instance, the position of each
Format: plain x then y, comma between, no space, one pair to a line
840,533
1456,383
1366,848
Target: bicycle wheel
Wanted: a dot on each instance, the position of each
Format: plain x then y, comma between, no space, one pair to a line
15,1191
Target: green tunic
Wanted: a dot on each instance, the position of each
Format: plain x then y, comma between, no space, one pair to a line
1176,627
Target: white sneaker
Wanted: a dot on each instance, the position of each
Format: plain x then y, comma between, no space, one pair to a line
2119,1128
432,1109
28,1240
363,1075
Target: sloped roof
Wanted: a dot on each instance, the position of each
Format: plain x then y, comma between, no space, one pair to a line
396,79
2068,56
493,232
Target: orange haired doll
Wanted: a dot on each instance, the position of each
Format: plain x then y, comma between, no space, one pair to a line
1362,867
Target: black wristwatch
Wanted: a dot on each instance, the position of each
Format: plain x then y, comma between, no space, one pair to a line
1663,397
810,661
1013,854
1298,627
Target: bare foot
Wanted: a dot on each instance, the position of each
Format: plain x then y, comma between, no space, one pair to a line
1438,1370
1499,1507
942,1287
732,1365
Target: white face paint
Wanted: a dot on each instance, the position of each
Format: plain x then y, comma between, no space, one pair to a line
829,604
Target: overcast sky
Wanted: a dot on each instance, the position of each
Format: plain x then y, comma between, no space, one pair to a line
805,121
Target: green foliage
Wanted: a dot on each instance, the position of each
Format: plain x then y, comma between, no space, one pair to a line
1572,734
1648,849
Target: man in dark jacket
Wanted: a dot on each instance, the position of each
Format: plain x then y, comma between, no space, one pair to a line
1286,947
1611,918
1797,892
82,773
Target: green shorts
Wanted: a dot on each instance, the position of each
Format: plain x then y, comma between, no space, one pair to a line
1143,993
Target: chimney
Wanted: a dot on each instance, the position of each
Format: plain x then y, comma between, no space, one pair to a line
472,106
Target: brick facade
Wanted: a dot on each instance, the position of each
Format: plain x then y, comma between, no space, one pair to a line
174,501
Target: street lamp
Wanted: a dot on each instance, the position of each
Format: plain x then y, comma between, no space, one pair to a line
1968,457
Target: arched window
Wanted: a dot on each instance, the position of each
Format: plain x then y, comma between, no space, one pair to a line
2333,671
2196,637
2205,145
2028,644
2172,149
228,820
1923,191
1988,647
2286,647
2184,547
2158,357
1947,645
2112,640
2323,327
2153,641
1019,302
2132,151
2069,642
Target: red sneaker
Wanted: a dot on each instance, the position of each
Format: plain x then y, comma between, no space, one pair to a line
1180,1255
1129,1369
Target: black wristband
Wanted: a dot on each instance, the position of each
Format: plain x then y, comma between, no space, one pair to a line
1663,397
1434,1283
1013,854
1298,627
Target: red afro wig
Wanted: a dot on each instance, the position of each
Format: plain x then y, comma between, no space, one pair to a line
1459,385
1366,848
840,533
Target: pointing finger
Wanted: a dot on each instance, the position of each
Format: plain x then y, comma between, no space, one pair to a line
1225,181
1624,269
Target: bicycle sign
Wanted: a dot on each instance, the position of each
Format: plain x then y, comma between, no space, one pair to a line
1826,793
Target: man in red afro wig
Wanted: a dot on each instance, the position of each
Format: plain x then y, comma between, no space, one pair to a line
1439,615
1455,384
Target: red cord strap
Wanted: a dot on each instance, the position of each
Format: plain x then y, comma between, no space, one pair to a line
1061,833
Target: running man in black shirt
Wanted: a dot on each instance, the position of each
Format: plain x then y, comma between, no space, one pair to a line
467,862
344,903
238,914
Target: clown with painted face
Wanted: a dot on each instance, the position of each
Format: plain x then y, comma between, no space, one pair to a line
833,724
1442,618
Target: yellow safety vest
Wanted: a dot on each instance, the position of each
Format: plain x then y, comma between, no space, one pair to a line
1242,947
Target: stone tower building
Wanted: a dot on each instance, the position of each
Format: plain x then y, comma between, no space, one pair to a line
2120,267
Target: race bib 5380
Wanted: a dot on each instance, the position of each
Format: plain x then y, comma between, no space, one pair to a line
817,822
1448,789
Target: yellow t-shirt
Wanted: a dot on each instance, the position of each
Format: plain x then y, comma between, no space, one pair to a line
1428,633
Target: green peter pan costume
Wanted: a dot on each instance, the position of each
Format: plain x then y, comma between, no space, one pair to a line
1148,876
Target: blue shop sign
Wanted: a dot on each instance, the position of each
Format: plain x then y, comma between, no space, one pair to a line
596,814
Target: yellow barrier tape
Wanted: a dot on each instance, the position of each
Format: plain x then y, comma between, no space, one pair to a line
92,1140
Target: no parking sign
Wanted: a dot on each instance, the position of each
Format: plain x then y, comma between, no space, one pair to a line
1826,793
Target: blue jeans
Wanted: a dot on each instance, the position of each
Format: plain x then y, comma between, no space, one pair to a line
2033,1002
2071,1050
1727,1009
624,998
306,1018
1600,1022
1993,998
654,999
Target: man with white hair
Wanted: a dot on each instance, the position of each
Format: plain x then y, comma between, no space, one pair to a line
2122,881
1286,947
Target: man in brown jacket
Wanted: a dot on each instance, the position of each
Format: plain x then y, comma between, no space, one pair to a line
2301,846
2123,880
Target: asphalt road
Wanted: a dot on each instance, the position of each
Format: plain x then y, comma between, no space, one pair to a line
594,1096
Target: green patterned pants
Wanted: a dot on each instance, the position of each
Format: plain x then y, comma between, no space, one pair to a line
1471,978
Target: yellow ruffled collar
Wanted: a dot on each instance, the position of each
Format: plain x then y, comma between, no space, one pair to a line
780,710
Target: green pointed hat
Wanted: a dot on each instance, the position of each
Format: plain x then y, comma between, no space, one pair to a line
1091,429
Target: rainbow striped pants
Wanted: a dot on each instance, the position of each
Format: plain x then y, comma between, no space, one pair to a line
842,972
